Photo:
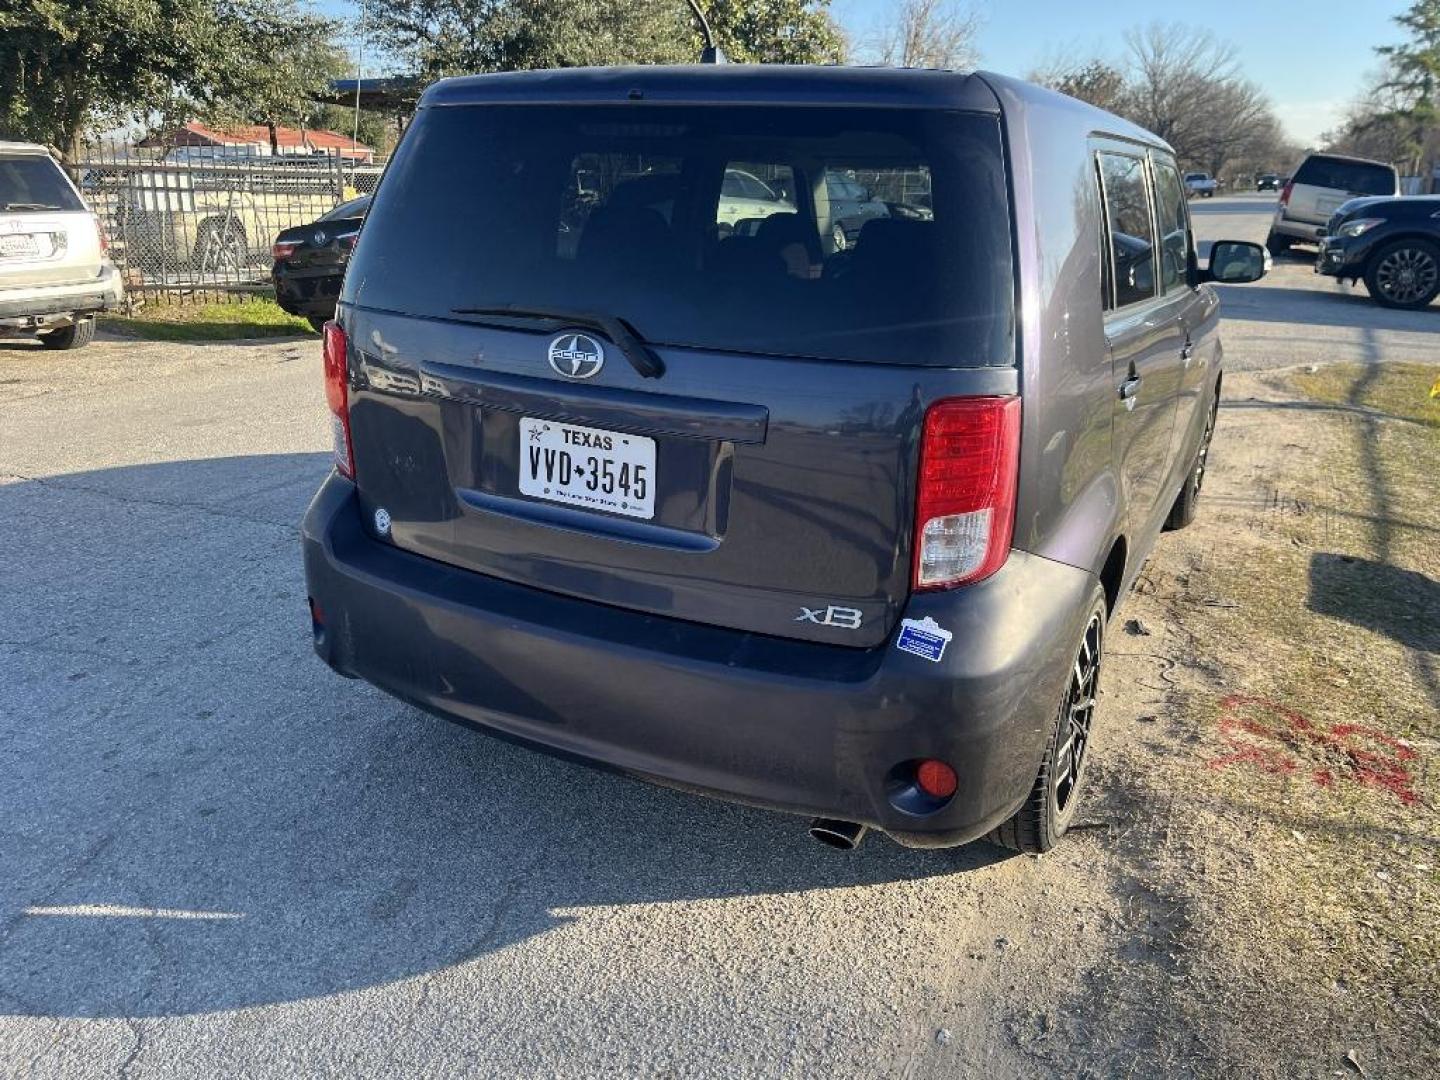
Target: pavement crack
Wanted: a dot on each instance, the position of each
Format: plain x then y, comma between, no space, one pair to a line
123,1072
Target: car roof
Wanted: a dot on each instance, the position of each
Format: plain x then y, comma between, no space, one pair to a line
739,84
22,148
782,84
1345,157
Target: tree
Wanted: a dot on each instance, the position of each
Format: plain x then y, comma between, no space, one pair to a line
1096,81
451,37
69,63
66,61
928,33
290,57
772,31
1185,85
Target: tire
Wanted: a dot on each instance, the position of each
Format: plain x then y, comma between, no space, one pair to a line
1277,244
75,336
1183,512
1404,274
1050,807
318,322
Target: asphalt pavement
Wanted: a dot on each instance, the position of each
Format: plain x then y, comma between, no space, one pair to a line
218,858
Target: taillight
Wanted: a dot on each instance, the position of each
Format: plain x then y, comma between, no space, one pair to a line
346,242
1285,192
282,249
100,232
337,395
965,498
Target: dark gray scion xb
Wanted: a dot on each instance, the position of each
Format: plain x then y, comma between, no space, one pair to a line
639,462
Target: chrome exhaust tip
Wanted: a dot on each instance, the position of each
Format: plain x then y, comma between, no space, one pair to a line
843,835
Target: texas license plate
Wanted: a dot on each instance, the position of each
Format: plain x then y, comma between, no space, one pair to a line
18,246
589,467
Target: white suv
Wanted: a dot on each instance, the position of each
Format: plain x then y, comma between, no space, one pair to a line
54,274
1317,189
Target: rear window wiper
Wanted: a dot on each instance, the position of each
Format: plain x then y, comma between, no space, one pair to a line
31,206
642,358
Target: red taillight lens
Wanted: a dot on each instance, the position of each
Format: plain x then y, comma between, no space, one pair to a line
281,250
100,232
1285,192
965,499
337,396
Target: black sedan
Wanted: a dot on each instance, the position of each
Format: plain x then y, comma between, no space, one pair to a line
1391,244
310,261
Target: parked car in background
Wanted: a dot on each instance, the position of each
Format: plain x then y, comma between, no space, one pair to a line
1320,185
1201,185
1393,245
1268,182
851,206
310,261
54,272
744,197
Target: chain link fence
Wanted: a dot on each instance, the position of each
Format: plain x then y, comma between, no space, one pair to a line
199,228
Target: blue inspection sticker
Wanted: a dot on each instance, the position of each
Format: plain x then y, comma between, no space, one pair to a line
923,637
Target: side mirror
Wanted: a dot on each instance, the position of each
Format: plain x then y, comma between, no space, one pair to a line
1235,262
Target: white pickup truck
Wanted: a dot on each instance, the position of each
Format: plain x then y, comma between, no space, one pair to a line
1201,184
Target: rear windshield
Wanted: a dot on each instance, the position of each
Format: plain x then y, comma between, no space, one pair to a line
1357,177
33,182
866,234
353,208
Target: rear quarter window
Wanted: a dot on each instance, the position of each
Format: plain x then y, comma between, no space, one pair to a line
1359,177
33,182
840,233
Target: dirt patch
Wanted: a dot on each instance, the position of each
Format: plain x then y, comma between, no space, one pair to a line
1267,768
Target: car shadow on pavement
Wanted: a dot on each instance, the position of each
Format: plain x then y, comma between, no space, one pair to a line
197,815
1351,309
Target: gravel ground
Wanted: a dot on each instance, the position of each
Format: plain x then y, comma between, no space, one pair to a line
217,858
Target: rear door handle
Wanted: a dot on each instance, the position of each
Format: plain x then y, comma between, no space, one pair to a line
1128,389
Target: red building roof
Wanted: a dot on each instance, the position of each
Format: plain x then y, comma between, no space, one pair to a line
289,139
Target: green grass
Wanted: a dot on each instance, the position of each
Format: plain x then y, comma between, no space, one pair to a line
1401,390
170,321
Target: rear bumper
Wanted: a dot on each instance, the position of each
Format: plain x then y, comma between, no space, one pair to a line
78,297
797,726
1309,231
308,292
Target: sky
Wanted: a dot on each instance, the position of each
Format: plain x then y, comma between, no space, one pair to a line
1311,57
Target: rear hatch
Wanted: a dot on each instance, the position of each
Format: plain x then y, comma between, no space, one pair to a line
47,237
578,370
1322,183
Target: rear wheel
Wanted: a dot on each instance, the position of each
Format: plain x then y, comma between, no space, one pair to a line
1404,274
1278,244
1183,512
1050,808
75,336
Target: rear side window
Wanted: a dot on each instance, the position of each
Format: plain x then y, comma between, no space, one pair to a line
1358,177
1132,239
33,182
865,234
1174,220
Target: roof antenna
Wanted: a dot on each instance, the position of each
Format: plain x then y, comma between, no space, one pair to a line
711,53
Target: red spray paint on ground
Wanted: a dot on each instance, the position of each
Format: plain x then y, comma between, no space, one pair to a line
1283,742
